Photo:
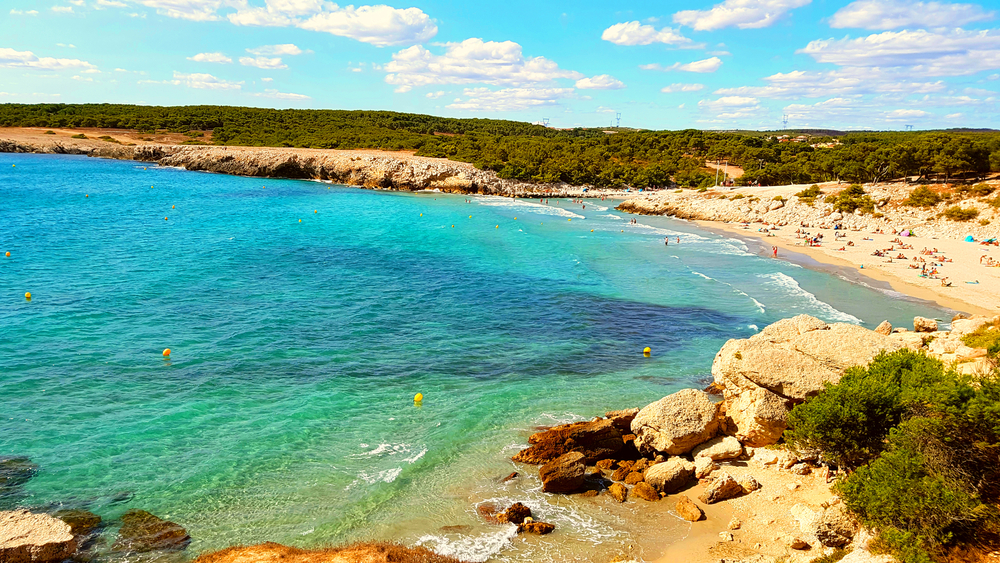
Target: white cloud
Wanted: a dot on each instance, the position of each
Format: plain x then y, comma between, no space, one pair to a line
821,113
892,14
635,33
267,80
602,109
953,116
62,9
744,14
204,82
732,107
263,62
509,99
471,61
906,114
195,10
844,82
279,50
702,66
682,88
211,58
929,53
77,2
69,45
282,95
435,95
83,78
110,4
9,58
24,13
600,82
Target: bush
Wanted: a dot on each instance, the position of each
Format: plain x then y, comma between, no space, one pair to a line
738,196
984,222
851,199
50,132
979,190
779,198
956,213
79,136
923,197
812,192
984,336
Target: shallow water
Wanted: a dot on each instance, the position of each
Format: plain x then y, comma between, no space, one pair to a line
285,411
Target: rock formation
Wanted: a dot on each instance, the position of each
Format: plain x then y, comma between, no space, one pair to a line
565,474
596,440
676,423
366,552
142,532
26,537
670,476
688,510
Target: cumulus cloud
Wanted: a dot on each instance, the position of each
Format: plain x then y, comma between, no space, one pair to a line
109,4
930,53
194,10
744,14
263,62
62,9
199,81
9,58
600,82
844,82
682,88
211,58
892,14
906,114
274,94
702,66
635,33
471,61
277,50
509,99
24,12
435,95
732,107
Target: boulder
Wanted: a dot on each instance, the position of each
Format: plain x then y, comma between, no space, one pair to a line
633,478
515,514
923,324
618,492
757,417
563,474
26,537
644,491
688,510
671,475
622,420
677,423
621,473
142,532
884,328
835,527
911,340
703,467
595,439
719,449
748,483
795,542
80,521
795,357
606,464
540,528
724,487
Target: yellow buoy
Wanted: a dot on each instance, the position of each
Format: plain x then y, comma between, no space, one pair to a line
515,218
570,219
86,195
143,167
166,352
453,226
470,216
647,350
316,211
166,218
150,187
300,220
27,296
591,230
172,206
8,254
13,166
418,397
498,226
421,214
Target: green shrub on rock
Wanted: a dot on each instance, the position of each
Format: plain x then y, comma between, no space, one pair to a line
956,213
923,197
851,199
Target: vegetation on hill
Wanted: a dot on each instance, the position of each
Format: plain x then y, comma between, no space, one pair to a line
528,152
921,444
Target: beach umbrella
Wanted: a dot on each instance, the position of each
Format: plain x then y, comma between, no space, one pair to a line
968,238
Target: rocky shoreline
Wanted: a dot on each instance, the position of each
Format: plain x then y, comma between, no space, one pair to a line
366,169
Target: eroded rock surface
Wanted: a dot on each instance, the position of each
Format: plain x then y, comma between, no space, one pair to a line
26,537
676,423
142,532
596,440
565,474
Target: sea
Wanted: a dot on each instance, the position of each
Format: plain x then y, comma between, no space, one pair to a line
303,317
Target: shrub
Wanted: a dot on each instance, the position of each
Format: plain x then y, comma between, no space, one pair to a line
995,202
984,222
702,190
956,213
50,132
851,199
79,136
922,197
984,336
837,555
779,198
979,190
738,196
812,192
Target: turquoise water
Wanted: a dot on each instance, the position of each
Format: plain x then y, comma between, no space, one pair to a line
285,411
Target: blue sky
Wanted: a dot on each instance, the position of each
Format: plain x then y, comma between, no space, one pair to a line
867,64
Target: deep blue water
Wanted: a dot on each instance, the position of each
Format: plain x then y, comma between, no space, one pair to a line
303,317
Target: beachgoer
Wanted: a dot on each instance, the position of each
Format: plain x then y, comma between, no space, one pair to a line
774,251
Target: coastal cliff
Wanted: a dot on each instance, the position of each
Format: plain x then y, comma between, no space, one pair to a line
367,169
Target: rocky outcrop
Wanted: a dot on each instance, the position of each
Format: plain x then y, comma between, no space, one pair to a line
366,552
565,474
719,449
784,364
80,522
923,324
644,491
26,537
515,514
670,476
677,423
14,473
142,532
596,440
835,527
618,492
540,528
723,487
688,510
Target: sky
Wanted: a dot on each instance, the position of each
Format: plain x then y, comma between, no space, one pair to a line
735,64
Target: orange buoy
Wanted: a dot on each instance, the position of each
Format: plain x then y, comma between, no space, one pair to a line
165,218
27,296
87,195
8,254
172,206
166,352
316,211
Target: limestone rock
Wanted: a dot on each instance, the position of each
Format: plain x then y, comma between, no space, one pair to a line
807,517
911,340
563,474
622,420
633,478
725,536
703,467
748,483
515,514
142,532
724,487
621,473
369,552
644,491
835,527
540,528
719,449
26,537
618,492
688,510
676,423
757,416
606,464
796,542
735,523
884,328
596,440
671,475
80,521
923,324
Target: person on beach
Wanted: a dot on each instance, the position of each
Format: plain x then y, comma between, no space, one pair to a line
774,251
666,241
